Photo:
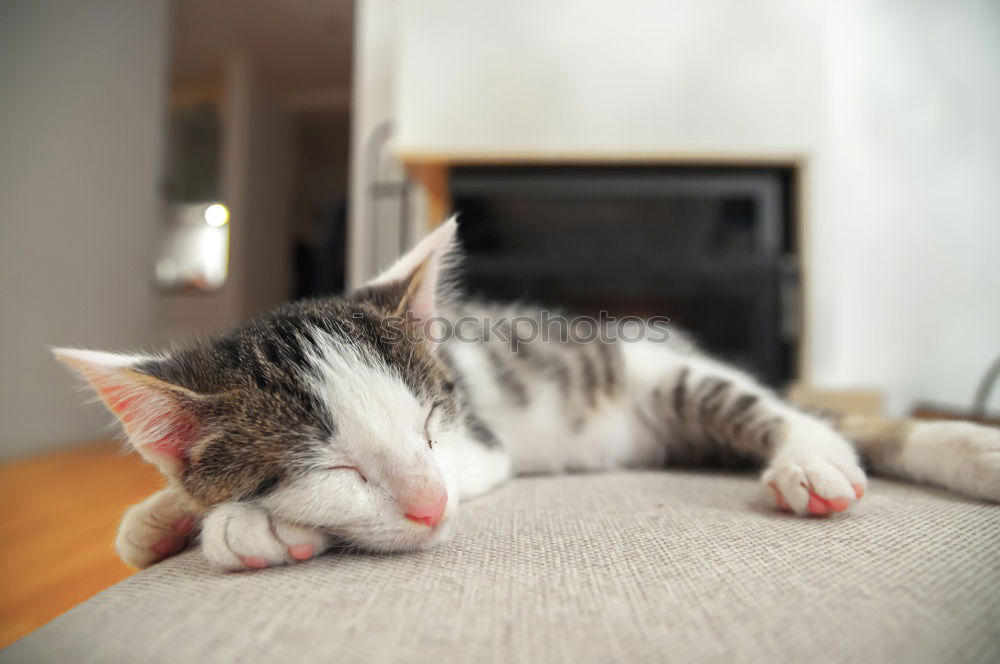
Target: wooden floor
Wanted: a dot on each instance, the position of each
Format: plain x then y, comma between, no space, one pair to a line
58,515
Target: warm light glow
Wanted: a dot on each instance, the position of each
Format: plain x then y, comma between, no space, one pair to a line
216,215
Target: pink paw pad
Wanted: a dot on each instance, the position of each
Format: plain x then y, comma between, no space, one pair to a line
859,490
301,551
184,525
818,506
168,545
839,504
254,562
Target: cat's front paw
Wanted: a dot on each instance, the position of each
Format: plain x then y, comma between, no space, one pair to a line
236,536
815,473
156,528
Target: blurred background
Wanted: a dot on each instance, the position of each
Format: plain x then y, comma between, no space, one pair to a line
811,187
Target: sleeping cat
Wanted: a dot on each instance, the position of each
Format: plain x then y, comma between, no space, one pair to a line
351,421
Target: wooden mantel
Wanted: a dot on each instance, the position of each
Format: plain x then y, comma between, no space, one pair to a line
433,169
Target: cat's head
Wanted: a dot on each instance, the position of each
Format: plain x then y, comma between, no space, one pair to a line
328,413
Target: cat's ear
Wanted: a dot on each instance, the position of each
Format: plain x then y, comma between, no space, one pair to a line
158,417
421,278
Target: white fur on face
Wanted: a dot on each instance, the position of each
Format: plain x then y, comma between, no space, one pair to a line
380,428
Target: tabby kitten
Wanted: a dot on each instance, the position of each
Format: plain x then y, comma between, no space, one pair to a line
334,422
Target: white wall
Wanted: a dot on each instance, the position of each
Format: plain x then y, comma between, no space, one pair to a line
625,75
81,133
375,41
909,246
893,103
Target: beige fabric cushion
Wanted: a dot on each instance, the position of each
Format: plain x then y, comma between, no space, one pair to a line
671,566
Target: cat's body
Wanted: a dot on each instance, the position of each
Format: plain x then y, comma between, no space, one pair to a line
329,422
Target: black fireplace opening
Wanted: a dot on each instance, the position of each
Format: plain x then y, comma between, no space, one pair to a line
712,248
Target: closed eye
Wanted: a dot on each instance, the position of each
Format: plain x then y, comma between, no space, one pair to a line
427,424
354,468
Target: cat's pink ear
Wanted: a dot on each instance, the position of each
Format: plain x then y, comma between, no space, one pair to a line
158,417
422,273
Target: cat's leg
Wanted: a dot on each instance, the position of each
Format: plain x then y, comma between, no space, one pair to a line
479,461
238,536
715,413
961,456
156,528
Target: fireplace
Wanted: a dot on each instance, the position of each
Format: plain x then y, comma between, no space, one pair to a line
712,248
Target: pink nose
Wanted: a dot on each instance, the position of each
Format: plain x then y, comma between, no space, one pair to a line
427,512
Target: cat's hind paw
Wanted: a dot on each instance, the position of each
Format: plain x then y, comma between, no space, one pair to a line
237,536
815,478
156,528
962,456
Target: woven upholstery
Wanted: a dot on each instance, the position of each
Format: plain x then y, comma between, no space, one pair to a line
672,566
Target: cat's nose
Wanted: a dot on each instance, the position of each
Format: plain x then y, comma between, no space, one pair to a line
428,510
